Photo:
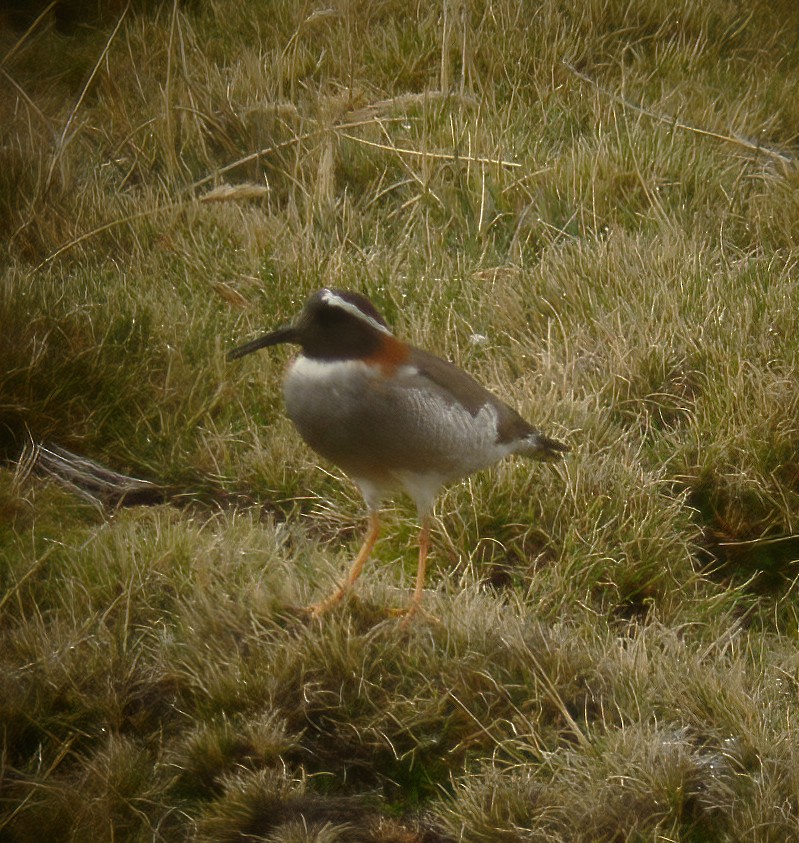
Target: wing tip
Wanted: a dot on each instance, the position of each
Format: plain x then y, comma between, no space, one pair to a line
546,448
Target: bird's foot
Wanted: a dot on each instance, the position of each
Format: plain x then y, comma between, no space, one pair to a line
413,611
316,610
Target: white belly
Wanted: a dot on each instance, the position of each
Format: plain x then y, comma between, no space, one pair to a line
388,430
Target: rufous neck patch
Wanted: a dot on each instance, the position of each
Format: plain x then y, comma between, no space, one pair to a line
390,354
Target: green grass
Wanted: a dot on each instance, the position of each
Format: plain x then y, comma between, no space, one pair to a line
593,208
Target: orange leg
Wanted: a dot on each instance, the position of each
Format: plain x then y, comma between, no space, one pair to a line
373,532
424,546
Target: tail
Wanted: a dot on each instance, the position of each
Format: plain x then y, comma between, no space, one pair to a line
541,447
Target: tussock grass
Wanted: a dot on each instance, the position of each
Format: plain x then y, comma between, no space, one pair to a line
593,208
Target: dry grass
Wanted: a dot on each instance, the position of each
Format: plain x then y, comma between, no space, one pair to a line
594,209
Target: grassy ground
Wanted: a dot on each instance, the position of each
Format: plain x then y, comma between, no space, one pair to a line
594,207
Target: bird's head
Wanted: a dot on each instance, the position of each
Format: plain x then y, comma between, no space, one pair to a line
333,325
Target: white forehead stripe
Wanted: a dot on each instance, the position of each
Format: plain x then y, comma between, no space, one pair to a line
329,297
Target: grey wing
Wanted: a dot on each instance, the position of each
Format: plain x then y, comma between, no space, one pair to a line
455,385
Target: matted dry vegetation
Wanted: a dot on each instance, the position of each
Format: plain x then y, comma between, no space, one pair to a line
593,207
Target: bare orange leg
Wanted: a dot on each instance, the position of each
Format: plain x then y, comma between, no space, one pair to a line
373,532
424,546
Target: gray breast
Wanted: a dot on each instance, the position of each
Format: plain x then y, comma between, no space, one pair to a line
376,427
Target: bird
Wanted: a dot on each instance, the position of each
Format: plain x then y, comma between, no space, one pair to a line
391,416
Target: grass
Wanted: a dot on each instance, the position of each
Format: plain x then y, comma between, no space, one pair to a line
594,209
